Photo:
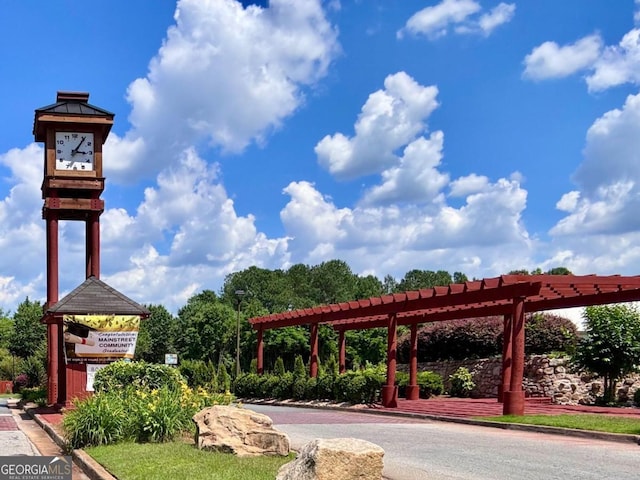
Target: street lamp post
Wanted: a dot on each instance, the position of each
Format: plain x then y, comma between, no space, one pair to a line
239,294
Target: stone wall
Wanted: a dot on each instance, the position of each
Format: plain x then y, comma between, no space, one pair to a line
543,377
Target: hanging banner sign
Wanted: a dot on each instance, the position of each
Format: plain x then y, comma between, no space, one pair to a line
99,338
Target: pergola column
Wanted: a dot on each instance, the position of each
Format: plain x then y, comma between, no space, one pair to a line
260,353
342,352
413,390
313,359
505,381
390,390
514,398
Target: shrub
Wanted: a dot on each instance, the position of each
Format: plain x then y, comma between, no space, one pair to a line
325,387
545,333
20,382
246,385
136,413
299,388
33,394
461,383
636,398
299,370
430,383
284,387
224,380
361,386
278,368
455,340
119,375
35,371
311,389
273,386
482,338
198,373
402,380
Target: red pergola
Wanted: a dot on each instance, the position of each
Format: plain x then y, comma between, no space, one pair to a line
507,295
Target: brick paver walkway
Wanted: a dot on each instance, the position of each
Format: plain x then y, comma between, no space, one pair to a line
483,407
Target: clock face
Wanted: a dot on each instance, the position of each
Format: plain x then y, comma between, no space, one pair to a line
74,151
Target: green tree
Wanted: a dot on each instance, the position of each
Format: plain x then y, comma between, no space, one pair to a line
369,286
559,271
206,329
459,277
333,282
29,334
6,329
157,334
611,347
389,285
417,279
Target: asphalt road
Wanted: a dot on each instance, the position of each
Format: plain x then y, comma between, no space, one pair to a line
416,449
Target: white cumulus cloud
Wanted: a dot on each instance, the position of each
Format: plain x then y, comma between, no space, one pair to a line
230,74
461,16
550,60
390,119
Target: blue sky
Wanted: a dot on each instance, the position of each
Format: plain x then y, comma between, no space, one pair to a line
466,135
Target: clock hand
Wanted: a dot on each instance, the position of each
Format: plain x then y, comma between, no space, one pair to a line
75,150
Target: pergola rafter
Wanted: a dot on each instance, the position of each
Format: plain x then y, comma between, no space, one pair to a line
508,296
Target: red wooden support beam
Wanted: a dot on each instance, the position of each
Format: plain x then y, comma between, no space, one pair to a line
313,359
260,353
413,390
53,331
390,390
342,352
514,398
505,382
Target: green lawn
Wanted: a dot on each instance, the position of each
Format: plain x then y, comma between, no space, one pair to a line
181,461
600,423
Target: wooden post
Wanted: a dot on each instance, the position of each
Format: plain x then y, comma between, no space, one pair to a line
92,226
413,389
313,359
342,352
53,331
260,354
390,390
514,398
505,382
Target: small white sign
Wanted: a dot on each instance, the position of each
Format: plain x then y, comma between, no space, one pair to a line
171,358
91,374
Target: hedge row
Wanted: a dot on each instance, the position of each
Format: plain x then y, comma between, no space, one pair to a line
482,338
355,386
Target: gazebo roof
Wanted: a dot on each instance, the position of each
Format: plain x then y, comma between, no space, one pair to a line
490,296
94,296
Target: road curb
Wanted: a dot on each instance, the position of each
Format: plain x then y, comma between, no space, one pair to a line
89,466
569,432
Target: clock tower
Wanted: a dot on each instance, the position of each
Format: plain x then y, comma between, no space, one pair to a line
73,132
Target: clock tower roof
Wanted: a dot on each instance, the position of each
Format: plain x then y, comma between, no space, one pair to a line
71,107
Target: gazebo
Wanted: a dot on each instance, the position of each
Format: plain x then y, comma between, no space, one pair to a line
509,296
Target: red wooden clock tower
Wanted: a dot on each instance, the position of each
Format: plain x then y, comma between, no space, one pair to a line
73,132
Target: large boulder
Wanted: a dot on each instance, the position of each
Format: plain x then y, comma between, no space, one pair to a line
335,458
238,430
